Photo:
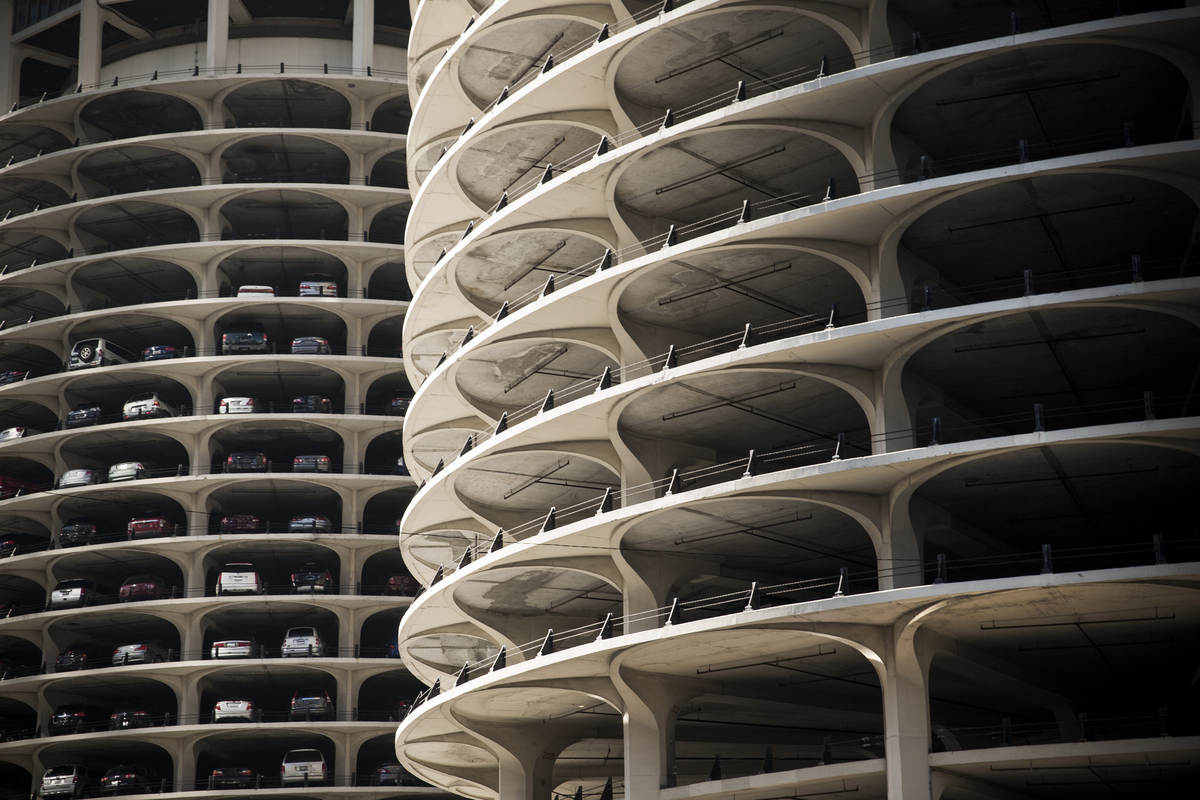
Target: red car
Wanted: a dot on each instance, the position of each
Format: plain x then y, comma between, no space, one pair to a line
402,586
143,587
9,487
151,528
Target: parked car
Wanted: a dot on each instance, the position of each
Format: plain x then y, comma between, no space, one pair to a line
253,290
240,523
85,414
245,461
244,337
401,586
75,593
312,580
238,405
153,528
234,709
159,352
143,587
130,778
318,284
392,773
136,716
79,477
302,766
147,652
311,404
235,648
310,464
148,405
310,524
131,471
76,534
311,346
239,578
83,657
397,405
401,467
78,718
8,434
311,703
233,778
69,780
94,353
302,643
12,376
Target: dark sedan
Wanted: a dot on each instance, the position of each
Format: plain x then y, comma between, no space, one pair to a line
233,778
160,351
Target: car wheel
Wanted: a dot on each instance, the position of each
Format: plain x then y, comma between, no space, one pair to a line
158,659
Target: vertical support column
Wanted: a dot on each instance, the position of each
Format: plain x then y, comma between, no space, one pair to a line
363,49
10,73
91,26
906,714
218,34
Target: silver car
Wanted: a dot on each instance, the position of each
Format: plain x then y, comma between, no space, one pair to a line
302,766
303,642
149,652
78,477
238,405
234,708
148,405
130,471
11,433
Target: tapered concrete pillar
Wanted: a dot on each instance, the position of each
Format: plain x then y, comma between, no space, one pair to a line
91,27
218,34
363,48
905,682
10,74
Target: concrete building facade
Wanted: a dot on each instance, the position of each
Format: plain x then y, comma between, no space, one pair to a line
806,399
155,160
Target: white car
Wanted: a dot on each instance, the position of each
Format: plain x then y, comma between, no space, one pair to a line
302,643
141,653
255,290
11,433
79,477
303,766
235,648
149,405
318,284
238,405
234,708
130,471
239,578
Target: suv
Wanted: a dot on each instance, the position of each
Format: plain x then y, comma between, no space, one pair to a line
244,337
233,778
239,578
238,405
78,718
151,528
302,766
312,579
93,353
84,414
147,652
318,284
143,587
129,778
311,404
310,464
244,461
69,780
302,643
77,533
79,477
148,404
74,593
240,523
311,704
131,471
310,346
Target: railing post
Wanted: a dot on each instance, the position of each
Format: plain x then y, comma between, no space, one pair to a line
1006,728
1148,404
1160,554
1039,418
1047,560
941,569
1028,283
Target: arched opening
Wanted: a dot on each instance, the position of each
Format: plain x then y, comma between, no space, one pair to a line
386,697
20,475
283,268
507,53
20,595
21,535
513,375
24,249
139,113
127,280
287,103
268,690
282,505
391,171
381,515
19,195
388,225
272,625
262,756
393,115
141,637
113,393
276,385
377,637
516,266
106,515
124,224
285,158
516,157
283,214
42,79
21,140
282,443
389,282
385,573
136,168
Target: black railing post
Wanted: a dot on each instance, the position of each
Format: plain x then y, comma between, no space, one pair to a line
1028,283
1006,730
1137,272
1047,560
1148,404
1039,418
941,569
1160,553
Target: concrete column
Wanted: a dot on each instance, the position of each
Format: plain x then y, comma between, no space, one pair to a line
906,717
363,49
218,34
91,26
10,74
652,705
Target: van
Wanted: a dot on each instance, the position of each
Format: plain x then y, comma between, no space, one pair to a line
302,766
244,337
94,353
